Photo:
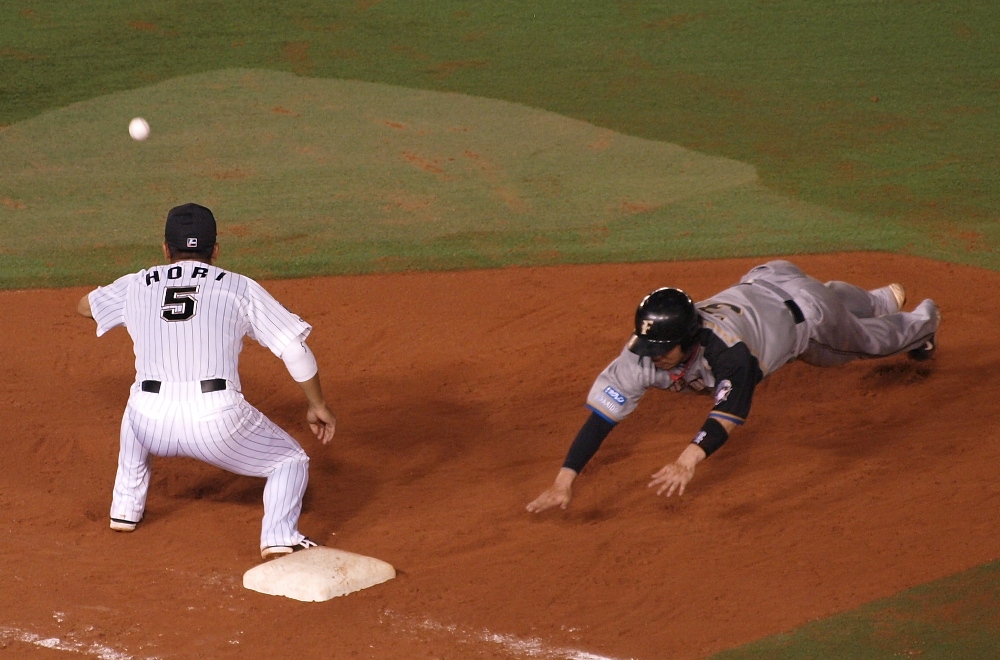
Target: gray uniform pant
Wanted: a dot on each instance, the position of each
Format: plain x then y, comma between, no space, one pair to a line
846,322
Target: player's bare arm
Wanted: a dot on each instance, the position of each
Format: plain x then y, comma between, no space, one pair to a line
320,418
83,307
302,367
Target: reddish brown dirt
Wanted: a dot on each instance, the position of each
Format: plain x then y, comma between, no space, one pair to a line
458,394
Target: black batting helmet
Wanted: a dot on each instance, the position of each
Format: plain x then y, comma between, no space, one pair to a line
664,319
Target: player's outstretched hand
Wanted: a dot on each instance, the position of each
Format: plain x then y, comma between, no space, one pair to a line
552,496
558,494
676,476
322,422
672,477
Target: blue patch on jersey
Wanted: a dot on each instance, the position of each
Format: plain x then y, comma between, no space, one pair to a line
615,394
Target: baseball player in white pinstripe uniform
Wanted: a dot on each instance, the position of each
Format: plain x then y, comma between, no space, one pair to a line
187,320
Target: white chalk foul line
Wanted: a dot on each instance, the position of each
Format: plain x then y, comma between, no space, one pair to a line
531,647
71,646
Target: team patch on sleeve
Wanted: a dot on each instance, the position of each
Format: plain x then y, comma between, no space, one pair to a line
722,390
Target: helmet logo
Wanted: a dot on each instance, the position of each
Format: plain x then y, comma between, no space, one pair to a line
646,325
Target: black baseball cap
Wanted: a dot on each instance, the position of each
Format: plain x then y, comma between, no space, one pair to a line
190,227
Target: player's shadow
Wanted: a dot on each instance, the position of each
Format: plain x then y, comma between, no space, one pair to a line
393,433
179,482
186,479
909,399
417,425
895,374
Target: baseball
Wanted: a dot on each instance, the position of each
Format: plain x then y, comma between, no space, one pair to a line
138,128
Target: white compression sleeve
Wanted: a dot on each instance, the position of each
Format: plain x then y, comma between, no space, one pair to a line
300,361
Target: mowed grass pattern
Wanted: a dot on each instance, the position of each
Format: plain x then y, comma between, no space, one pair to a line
315,176
885,111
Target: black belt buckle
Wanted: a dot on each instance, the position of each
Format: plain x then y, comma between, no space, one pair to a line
152,386
213,385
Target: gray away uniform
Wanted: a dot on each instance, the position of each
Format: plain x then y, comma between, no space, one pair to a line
749,331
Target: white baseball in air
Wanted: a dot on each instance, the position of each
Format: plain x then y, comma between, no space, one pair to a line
138,128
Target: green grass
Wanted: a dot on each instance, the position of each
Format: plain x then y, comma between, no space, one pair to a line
784,86
315,176
957,617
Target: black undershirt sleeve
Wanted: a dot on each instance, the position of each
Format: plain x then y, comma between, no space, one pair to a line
737,374
712,436
587,442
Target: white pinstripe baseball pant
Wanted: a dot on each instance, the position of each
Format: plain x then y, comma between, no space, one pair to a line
219,428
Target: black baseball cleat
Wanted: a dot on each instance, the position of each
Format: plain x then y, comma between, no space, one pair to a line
120,525
925,352
273,551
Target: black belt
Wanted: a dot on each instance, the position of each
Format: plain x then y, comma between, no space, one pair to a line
795,310
211,385
785,298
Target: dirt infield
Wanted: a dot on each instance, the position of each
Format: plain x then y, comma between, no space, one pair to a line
457,396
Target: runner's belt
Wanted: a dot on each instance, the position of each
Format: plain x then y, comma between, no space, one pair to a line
211,385
785,298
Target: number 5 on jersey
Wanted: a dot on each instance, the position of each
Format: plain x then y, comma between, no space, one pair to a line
179,303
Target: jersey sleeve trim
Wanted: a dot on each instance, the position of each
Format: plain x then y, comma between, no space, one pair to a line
717,414
601,415
300,361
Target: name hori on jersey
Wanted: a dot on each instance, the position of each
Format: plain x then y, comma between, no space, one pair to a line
177,272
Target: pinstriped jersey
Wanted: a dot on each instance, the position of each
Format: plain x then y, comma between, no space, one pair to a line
187,320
